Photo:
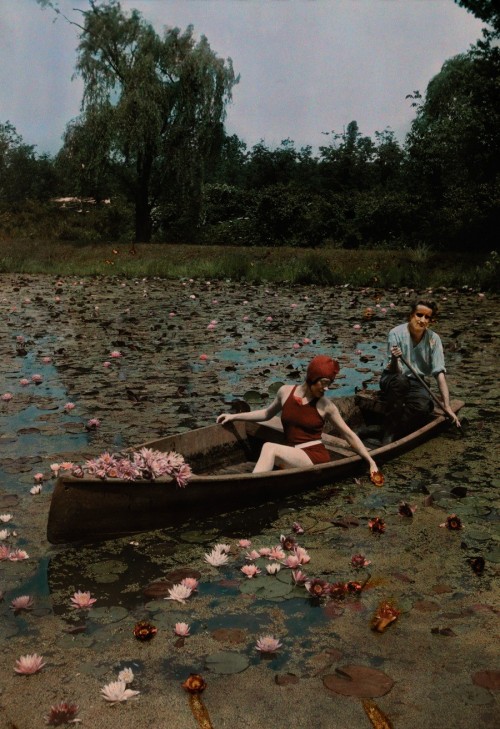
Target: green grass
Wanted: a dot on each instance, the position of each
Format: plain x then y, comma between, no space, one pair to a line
322,267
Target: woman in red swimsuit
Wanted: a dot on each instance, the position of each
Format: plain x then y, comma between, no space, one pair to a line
304,409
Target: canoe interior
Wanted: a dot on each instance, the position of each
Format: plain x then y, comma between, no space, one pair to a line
222,459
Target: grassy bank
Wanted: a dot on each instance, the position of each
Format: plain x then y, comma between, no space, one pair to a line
418,267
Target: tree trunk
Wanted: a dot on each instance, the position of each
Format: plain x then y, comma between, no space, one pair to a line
143,222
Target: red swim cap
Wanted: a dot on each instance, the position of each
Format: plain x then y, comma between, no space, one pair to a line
322,366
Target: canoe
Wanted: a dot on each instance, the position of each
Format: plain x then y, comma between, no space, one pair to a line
221,458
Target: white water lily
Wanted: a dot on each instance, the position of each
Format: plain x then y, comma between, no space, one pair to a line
4,534
179,592
126,675
215,558
5,518
273,568
117,691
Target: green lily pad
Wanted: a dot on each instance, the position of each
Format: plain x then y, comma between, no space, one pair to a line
266,588
252,396
274,387
478,535
107,571
493,555
226,662
108,614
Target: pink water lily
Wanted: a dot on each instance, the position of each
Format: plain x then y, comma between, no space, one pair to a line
7,397
250,570
276,553
299,577
182,629
115,354
190,582
24,381
244,543
18,555
267,644
302,555
358,561
69,406
252,555
292,561
23,602
38,477
82,600
29,664
37,379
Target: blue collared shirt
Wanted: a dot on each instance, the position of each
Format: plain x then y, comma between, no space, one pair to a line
426,357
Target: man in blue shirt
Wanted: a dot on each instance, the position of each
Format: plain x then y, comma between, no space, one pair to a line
409,405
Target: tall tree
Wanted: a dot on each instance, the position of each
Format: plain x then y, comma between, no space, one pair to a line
454,148
155,107
486,10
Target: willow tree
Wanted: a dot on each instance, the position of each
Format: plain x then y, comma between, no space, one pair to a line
155,106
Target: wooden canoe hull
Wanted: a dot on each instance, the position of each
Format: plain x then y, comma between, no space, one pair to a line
89,509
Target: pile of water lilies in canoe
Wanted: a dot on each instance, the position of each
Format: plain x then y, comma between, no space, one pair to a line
145,464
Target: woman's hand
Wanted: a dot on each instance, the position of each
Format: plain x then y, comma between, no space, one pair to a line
224,418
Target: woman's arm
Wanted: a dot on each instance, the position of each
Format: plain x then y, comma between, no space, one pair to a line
255,415
332,413
445,394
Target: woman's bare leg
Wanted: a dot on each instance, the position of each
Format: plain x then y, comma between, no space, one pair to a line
286,455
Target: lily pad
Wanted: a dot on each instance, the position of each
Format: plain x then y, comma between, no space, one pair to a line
274,387
493,555
361,681
489,679
108,614
226,662
266,588
253,396
8,500
230,635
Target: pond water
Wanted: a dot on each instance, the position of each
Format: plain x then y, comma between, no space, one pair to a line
252,338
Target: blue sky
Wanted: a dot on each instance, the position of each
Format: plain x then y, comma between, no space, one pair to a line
306,66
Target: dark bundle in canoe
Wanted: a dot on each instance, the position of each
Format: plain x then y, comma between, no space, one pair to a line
222,459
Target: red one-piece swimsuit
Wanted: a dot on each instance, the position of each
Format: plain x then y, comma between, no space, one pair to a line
301,424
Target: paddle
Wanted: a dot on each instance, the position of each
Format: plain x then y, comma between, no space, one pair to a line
424,384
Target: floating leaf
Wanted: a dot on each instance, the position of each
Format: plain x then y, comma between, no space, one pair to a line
230,635
226,662
252,396
489,679
363,682
266,588
108,614
286,679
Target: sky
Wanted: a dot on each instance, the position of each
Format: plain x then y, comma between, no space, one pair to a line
307,67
